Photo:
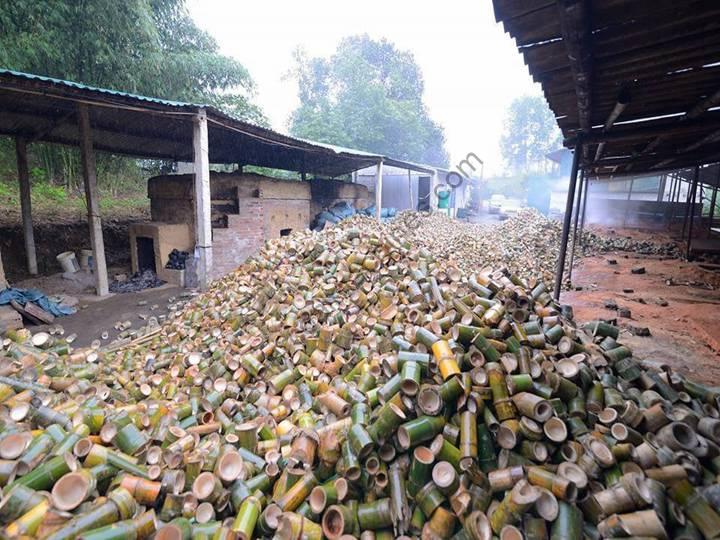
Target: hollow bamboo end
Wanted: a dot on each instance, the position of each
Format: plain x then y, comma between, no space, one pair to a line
333,523
70,491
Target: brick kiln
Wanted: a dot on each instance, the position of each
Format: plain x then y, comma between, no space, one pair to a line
247,209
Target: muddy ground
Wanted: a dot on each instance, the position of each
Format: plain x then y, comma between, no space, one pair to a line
685,333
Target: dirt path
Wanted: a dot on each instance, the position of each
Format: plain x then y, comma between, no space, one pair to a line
685,332
100,315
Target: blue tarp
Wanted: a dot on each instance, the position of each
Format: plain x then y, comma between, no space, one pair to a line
22,296
343,210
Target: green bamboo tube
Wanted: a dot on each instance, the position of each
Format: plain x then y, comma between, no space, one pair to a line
293,526
484,346
143,526
696,508
39,447
178,529
360,441
388,420
351,462
487,458
410,378
419,430
569,523
417,520
300,491
559,486
468,439
420,469
513,506
45,475
595,398
400,509
66,445
429,498
451,389
422,359
131,440
99,454
28,524
120,505
375,515
338,520
72,489
247,433
360,414
390,388
424,336
247,517
440,525
519,383
17,501
504,407
534,528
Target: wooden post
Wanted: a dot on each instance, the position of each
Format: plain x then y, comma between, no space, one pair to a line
87,155
692,210
566,222
25,204
203,224
412,206
378,190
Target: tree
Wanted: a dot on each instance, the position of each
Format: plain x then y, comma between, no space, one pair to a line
149,47
369,96
530,132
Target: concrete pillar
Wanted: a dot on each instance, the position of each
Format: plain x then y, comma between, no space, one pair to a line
378,190
203,225
92,199
25,204
433,195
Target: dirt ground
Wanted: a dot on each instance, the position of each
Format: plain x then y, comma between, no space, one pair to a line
685,333
97,315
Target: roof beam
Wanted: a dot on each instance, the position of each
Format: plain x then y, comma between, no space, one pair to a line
576,32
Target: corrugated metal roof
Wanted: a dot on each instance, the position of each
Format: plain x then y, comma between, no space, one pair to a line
81,86
255,130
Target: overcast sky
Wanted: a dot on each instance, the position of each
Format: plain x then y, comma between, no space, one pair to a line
471,67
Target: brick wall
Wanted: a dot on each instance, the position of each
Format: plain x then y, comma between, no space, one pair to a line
242,238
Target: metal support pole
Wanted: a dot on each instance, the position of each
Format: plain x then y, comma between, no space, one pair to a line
582,214
566,222
26,205
713,202
688,202
378,190
203,223
580,189
92,199
692,210
433,196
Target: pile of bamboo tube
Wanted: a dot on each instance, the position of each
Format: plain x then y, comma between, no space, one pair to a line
347,384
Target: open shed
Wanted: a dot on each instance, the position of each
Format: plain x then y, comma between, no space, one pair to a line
41,109
634,86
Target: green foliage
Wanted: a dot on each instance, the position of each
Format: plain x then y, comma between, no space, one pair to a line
368,95
44,191
149,47
530,132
